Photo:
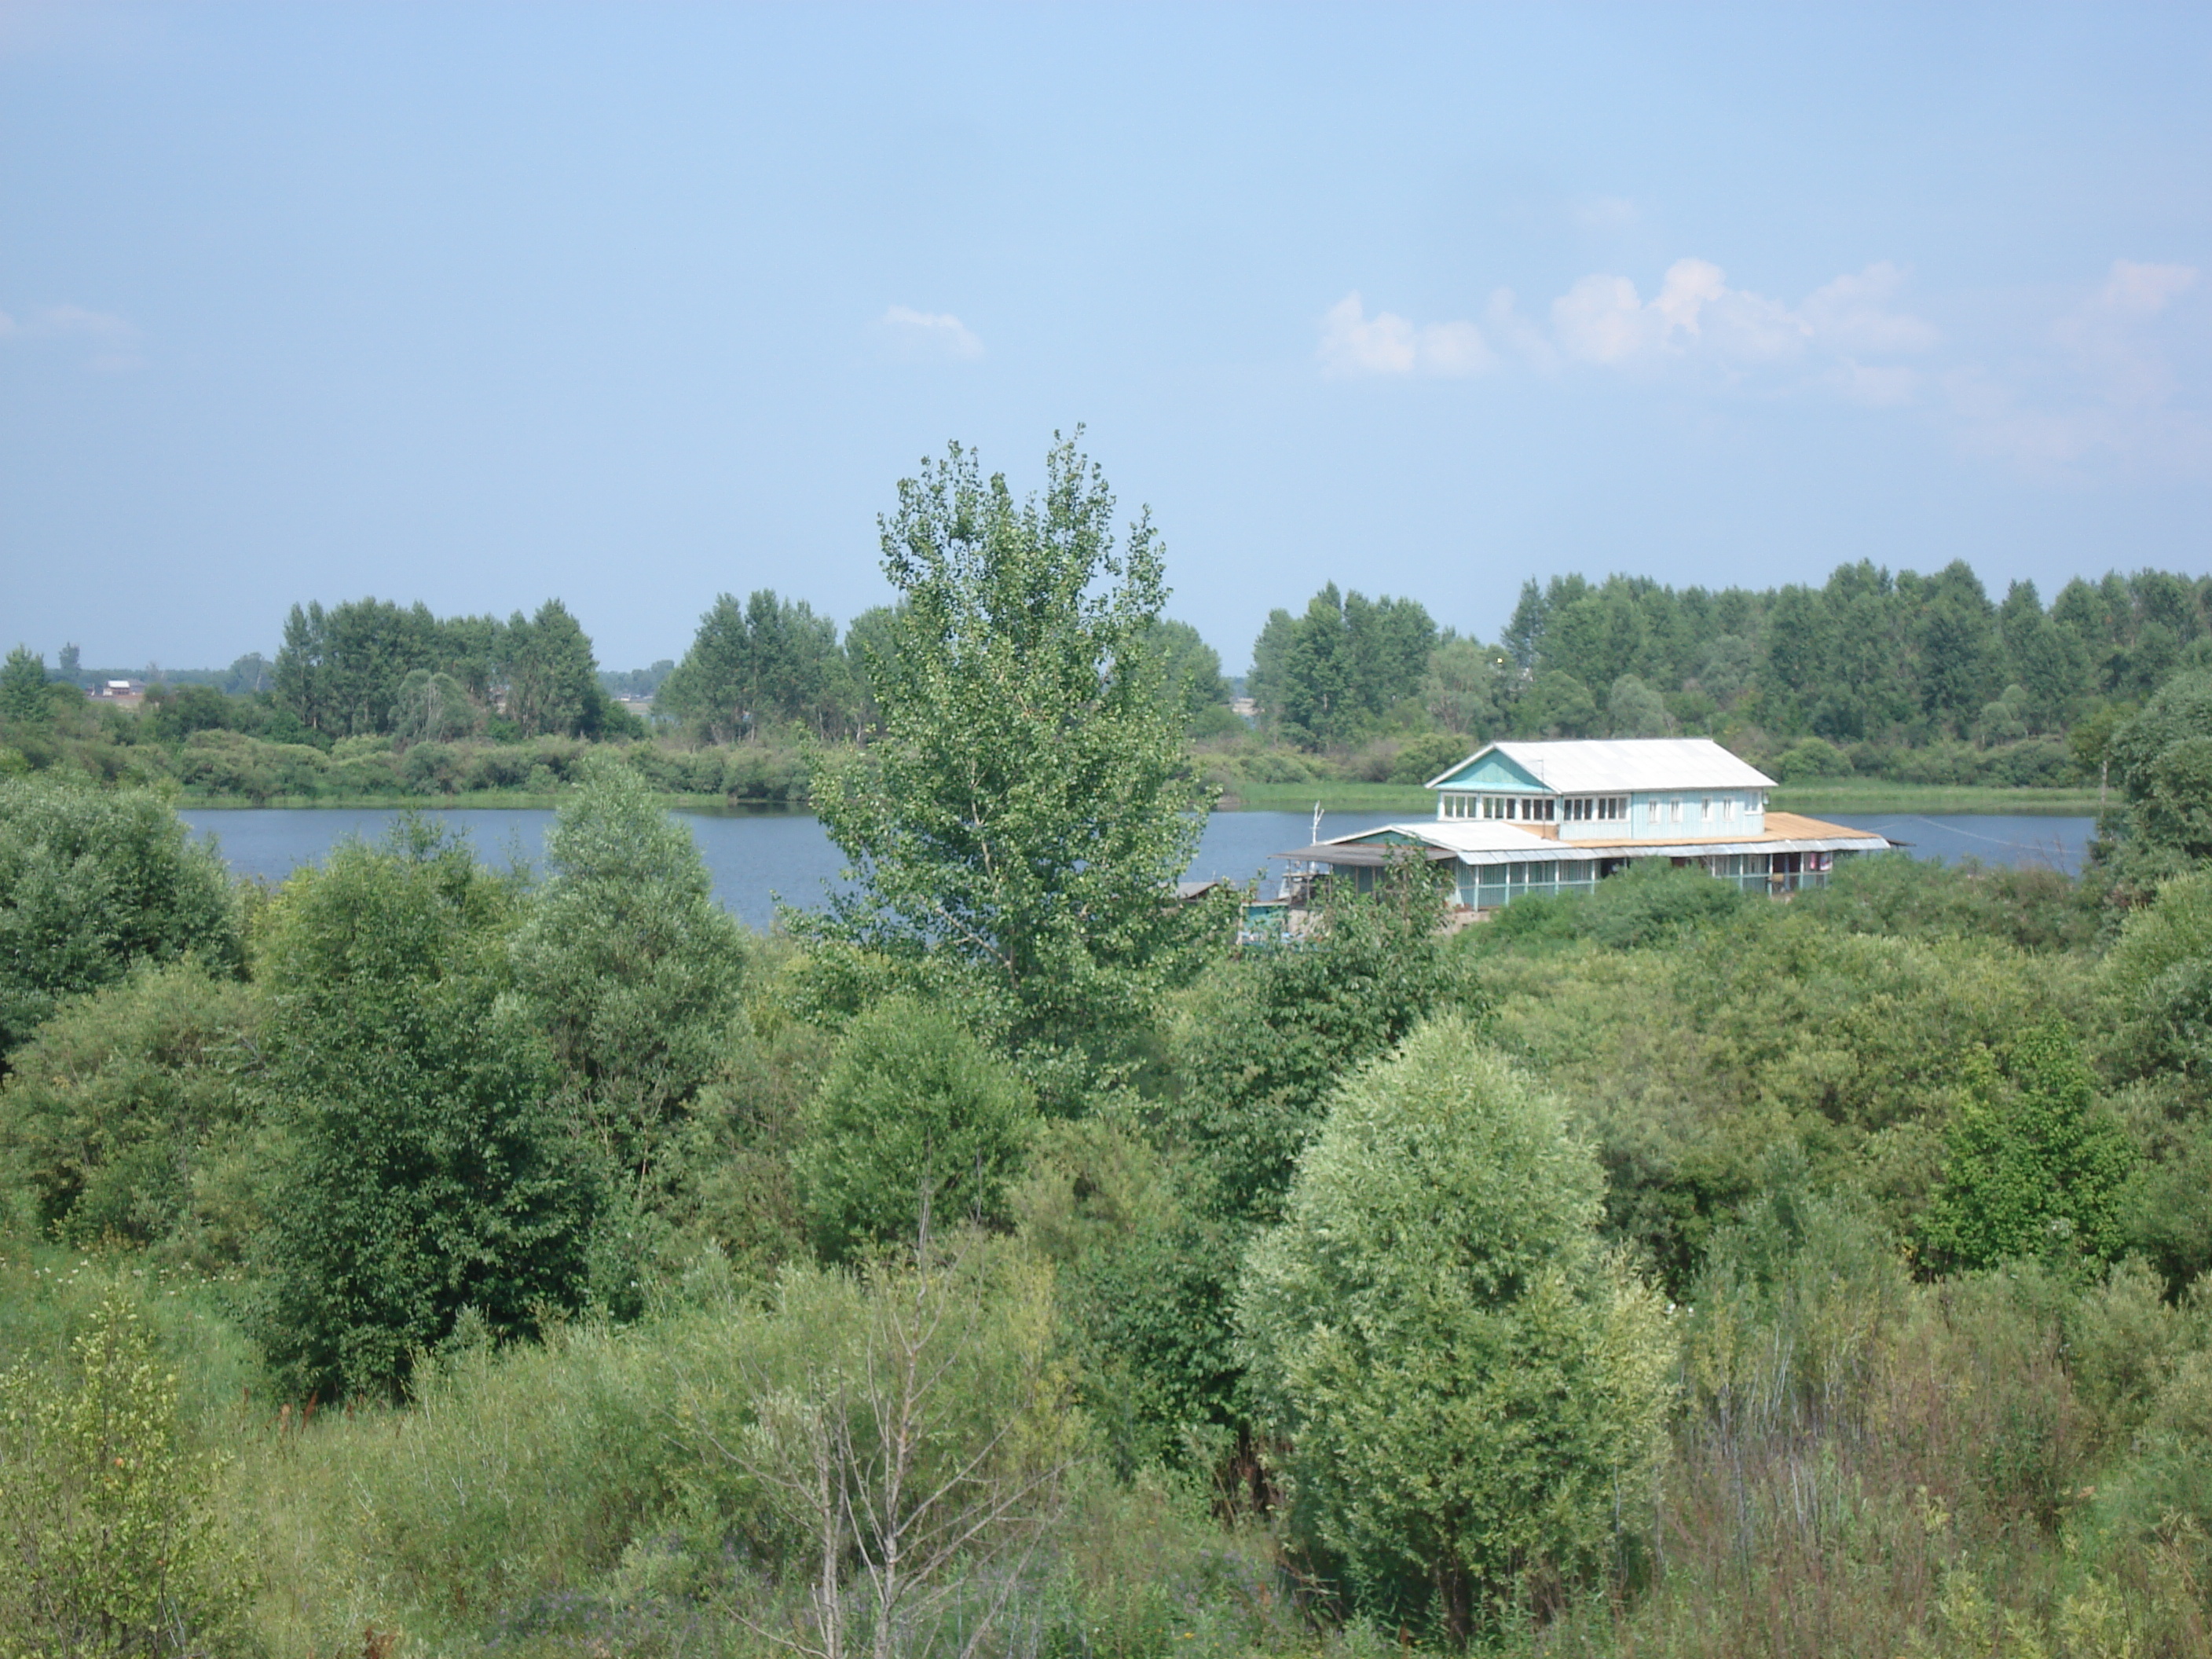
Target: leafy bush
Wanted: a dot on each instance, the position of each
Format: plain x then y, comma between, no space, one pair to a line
426,1173
92,883
127,1106
1437,1282
634,970
1644,906
2035,908
916,1119
1812,757
2033,1167
109,1542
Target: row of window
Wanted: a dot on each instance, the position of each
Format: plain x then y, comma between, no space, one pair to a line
1588,808
1585,809
1486,887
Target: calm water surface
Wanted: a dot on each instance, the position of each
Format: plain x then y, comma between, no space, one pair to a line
755,859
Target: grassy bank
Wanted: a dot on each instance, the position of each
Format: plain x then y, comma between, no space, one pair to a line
1863,795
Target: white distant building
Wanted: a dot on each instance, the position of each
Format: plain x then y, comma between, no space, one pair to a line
1518,820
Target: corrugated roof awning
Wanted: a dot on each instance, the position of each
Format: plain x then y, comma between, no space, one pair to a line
1358,856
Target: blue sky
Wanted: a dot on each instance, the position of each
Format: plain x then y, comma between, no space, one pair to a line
635,304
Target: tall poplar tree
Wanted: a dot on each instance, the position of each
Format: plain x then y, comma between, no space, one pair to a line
1028,804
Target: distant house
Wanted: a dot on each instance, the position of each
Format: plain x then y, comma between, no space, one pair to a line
1517,820
128,693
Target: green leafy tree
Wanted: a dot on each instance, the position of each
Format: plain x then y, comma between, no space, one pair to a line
2157,979
1277,1029
110,1541
552,679
2032,1166
93,883
1263,1044
1633,709
1029,802
125,1106
1191,677
426,1171
1465,687
754,667
435,708
1472,1390
1557,706
634,972
1334,671
871,647
23,689
917,1123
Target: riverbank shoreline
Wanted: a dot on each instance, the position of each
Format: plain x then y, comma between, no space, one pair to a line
1855,795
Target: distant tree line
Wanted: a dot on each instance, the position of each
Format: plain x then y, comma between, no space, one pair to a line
1869,656
369,667
771,664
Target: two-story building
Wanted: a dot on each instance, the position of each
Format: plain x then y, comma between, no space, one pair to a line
1521,819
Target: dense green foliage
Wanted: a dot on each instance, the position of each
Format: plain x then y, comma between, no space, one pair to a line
917,1124
1028,800
2030,1166
424,1173
109,1541
754,667
1919,679
128,1114
632,971
1473,1390
352,671
92,883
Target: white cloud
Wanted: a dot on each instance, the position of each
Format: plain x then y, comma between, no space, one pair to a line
936,335
1354,343
115,337
1852,313
2115,380
2113,392
1603,320
2142,290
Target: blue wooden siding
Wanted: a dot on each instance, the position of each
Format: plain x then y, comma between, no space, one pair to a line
1495,773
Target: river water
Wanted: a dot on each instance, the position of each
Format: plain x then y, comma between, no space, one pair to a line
755,859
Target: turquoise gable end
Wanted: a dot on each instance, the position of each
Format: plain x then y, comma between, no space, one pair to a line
1491,770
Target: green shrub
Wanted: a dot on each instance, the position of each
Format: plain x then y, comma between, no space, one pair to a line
1643,906
1472,1391
915,1118
127,1106
426,1171
109,1542
2033,1166
93,883
1811,758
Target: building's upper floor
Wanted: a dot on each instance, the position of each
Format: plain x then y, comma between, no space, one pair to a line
1625,789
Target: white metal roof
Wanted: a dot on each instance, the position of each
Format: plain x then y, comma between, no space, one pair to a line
1627,765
